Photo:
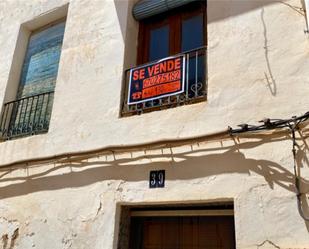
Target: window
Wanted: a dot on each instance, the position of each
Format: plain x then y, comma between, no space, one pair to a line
178,31
174,32
31,111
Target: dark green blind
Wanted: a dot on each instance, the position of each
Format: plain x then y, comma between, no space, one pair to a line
31,112
147,8
41,62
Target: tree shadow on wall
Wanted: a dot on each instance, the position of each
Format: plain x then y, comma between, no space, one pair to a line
191,164
220,10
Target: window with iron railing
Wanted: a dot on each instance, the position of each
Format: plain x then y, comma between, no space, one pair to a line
195,87
177,32
30,112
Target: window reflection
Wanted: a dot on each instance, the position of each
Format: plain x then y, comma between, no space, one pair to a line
159,43
192,33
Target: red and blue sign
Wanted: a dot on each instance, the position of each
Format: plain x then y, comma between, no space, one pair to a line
152,81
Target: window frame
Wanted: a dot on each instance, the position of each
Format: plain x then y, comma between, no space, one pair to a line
192,94
29,104
174,19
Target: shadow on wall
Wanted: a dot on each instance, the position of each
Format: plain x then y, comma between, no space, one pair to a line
217,11
123,12
230,8
187,165
220,9
271,83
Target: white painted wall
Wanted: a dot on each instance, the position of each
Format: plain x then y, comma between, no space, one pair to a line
257,67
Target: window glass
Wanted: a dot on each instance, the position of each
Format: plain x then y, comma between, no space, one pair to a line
192,33
159,43
196,74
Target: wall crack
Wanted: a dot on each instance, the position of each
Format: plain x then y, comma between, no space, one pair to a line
267,243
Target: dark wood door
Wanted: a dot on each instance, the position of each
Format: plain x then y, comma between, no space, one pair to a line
182,233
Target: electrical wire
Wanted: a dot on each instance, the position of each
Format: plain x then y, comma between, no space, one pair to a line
270,124
293,124
267,124
157,144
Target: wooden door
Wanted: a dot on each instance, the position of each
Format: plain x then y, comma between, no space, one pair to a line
182,233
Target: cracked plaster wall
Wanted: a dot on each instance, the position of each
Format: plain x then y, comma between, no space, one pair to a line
257,67
76,204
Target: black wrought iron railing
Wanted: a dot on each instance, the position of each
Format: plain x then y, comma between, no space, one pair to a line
26,116
195,86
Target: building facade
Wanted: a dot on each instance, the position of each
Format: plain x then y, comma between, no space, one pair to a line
93,157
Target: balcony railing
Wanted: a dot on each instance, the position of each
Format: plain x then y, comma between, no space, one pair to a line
26,116
195,86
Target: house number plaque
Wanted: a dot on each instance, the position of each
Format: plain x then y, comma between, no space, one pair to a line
157,179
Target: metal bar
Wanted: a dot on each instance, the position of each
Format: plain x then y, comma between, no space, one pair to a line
41,107
173,213
4,116
29,119
13,115
187,77
205,66
196,65
182,53
18,100
36,108
25,114
46,109
20,109
19,116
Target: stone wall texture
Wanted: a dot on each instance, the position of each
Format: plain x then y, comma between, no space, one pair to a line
258,60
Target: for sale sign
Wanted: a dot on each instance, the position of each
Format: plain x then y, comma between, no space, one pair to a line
156,80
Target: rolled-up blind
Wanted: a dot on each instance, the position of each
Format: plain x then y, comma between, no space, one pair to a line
147,8
41,62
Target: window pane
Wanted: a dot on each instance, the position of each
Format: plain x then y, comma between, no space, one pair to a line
192,33
196,77
159,43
